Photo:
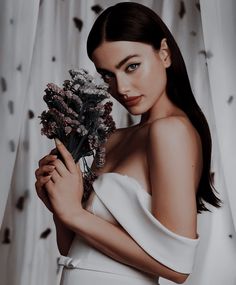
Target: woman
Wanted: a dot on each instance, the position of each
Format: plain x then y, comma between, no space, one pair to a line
140,221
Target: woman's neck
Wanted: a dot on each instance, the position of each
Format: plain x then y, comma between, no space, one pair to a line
163,108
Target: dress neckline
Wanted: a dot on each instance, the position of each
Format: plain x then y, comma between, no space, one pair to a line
128,177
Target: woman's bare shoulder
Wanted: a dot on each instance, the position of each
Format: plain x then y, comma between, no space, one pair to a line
174,126
176,132
176,136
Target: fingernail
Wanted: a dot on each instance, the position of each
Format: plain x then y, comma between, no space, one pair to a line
57,141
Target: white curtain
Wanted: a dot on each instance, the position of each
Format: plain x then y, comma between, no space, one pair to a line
206,35
40,42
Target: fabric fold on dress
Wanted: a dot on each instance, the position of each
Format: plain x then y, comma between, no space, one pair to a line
130,205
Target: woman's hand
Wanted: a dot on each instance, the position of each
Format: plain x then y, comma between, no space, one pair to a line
43,175
65,187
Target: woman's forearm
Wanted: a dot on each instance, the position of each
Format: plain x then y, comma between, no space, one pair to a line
64,235
115,242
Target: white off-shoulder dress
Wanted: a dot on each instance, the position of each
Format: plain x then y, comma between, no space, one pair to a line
120,199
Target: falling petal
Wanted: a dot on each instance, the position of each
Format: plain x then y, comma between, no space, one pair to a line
19,67
3,84
230,99
11,107
6,237
202,52
45,233
21,200
20,203
193,33
78,23
26,145
97,9
182,10
26,193
31,114
198,6
12,145
207,54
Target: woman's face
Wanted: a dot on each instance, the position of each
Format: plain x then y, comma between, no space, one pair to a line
135,72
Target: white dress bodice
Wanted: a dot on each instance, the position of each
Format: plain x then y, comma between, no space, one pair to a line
121,200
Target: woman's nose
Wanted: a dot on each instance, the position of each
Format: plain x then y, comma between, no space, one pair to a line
123,86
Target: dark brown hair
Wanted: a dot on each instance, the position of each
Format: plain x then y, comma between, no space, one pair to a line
129,21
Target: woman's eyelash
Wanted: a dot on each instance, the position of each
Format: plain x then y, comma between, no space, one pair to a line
133,66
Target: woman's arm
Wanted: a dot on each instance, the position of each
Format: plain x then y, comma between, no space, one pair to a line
65,236
43,175
115,242
175,163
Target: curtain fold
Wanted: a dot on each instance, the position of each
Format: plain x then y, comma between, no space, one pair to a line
17,23
219,30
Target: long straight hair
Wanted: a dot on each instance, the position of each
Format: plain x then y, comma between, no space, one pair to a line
129,21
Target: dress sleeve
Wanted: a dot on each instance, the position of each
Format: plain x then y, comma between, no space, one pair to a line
130,205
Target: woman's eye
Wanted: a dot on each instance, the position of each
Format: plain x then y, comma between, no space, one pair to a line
132,67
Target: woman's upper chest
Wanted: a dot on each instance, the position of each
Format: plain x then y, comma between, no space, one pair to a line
126,154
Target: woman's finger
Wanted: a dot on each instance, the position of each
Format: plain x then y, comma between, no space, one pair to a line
47,159
49,185
55,176
39,186
42,194
69,161
46,169
43,180
60,167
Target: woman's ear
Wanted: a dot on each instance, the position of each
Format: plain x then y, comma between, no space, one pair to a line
164,53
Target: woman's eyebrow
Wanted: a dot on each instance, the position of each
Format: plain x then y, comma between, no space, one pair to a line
122,62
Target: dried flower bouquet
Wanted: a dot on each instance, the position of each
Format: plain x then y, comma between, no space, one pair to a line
78,118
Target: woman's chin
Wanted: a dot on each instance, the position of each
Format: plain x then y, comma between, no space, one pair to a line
134,112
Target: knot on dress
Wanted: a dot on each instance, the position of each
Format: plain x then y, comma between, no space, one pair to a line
68,262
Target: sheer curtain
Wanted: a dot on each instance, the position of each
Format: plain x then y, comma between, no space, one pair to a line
40,42
206,36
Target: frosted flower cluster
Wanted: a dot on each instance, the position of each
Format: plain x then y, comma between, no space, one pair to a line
78,116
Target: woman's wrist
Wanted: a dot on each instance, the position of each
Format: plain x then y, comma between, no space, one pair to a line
70,219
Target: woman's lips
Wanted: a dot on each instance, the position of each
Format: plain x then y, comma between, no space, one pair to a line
132,101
